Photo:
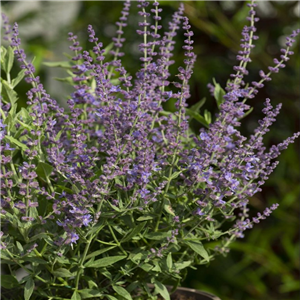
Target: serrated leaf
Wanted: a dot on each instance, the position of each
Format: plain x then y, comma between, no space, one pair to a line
3,56
122,292
9,93
29,287
198,248
23,114
17,79
61,272
44,170
16,142
162,290
2,113
8,281
104,262
135,231
25,125
9,121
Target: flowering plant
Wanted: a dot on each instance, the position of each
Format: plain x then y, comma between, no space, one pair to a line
114,193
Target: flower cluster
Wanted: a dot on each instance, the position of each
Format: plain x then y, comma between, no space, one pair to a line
113,192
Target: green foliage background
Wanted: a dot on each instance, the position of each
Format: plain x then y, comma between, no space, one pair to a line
264,265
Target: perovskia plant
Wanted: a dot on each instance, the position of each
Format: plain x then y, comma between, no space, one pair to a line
114,193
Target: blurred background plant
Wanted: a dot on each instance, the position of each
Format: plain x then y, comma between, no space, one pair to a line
265,264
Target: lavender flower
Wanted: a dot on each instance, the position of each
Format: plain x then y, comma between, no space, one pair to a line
115,185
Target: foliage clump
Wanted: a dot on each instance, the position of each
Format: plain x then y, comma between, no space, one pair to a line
114,193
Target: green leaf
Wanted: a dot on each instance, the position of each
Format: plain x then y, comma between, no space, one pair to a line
24,115
20,247
16,142
122,292
145,218
197,117
157,267
207,116
41,235
3,57
68,79
162,290
9,93
136,258
196,107
198,248
8,60
158,235
182,265
146,267
25,125
4,255
8,120
1,110
169,209
110,297
165,113
76,296
219,93
61,272
44,170
59,64
17,79
63,188
246,113
116,81
169,261
29,287
108,48
90,293
92,284
175,175
9,281
104,262
37,260
135,231
98,252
